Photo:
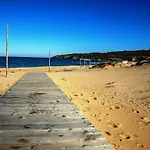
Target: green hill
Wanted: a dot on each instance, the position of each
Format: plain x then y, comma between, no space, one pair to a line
117,55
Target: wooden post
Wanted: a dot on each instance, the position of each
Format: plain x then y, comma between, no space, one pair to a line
49,61
6,50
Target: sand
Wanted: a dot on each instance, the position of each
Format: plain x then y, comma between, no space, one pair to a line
9,81
115,100
14,74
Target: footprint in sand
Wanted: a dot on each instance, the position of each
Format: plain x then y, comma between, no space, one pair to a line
120,140
114,107
130,101
87,101
135,111
75,94
107,114
140,145
145,119
110,85
108,133
93,115
63,79
114,125
142,123
95,98
135,135
125,136
113,144
102,103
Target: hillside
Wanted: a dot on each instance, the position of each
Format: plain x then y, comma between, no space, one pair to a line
118,55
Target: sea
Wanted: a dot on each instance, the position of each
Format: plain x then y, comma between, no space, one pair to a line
23,62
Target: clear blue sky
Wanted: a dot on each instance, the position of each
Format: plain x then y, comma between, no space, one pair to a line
74,26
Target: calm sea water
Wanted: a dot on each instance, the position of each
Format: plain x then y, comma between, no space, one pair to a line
17,62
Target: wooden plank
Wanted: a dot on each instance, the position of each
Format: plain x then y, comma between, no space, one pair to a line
12,121
48,133
43,126
76,146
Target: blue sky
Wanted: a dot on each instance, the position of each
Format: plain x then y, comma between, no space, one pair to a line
74,26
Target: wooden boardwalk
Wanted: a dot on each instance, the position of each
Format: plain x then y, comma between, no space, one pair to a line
36,114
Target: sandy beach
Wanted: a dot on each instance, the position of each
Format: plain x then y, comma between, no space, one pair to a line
115,100
9,81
